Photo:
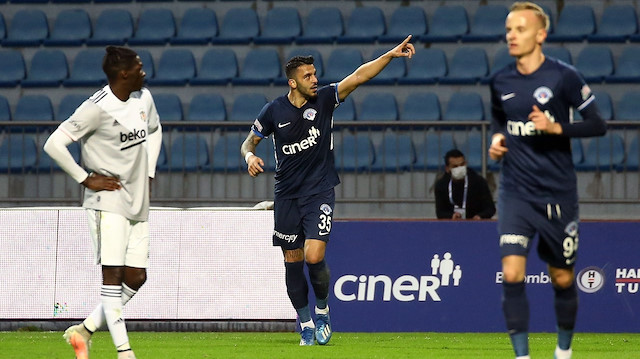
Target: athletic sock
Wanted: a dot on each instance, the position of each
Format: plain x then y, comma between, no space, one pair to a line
566,305
319,275
297,287
111,297
516,312
95,320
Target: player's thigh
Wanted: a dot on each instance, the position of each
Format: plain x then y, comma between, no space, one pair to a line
109,232
514,227
558,245
137,255
317,215
287,231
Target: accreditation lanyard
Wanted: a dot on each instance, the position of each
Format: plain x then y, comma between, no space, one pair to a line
464,195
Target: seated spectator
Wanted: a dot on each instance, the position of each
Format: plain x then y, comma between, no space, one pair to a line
461,193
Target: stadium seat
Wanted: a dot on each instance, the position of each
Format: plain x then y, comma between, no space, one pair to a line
207,107
405,20
427,66
282,25
430,153
345,112
575,23
29,27
306,51
603,101
226,155
12,69
18,153
631,161
577,151
378,106
5,109
47,164
603,154
32,108
260,67
395,70
396,153
341,63
3,28
246,107
364,26
448,24
175,68
464,106
595,63
113,27
86,69
468,66
487,24
239,26
322,25
421,106
353,153
628,108
198,26
617,24
169,106
71,28
559,53
471,146
48,69
148,64
500,60
189,152
155,27
217,67
68,105
628,66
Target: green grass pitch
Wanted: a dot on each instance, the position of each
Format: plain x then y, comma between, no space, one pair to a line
163,345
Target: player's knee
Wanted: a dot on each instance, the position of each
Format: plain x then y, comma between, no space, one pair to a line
313,257
512,275
135,278
562,281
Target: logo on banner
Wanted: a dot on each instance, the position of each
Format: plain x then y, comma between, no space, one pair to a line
443,272
590,279
627,280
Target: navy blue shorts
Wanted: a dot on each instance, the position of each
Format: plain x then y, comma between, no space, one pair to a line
299,219
556,224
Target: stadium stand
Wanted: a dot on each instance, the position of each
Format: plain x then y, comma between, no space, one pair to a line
71,28
468,66
87,69
281,26
396,153
487,24
628,67
342,62
239,26
322,25
354,153
12,69
207,107
156,26
575,23
464,106
617,24
379,106
217,67
197,27
68,105
448,24
246,107
113,27
346,112
559,53
430,152
405,20
633,152
595,62
603,154
628,107
5,109
427,66
396,69
260,67
421,106
29,27
189,152
48,68
176,68
18,154
169,106
364,25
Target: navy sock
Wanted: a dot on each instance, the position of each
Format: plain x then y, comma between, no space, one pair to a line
319,275
516,312
297,287
566,305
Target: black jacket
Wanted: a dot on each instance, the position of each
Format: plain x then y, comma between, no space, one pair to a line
479,199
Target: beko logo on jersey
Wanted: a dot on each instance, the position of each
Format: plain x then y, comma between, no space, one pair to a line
305,144
517,128
133,135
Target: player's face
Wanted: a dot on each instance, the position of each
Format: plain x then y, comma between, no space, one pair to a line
524,32
306,82
136,75
455,162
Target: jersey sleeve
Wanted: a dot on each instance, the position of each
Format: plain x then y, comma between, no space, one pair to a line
263,125
84,120
153,117
580,97
498,117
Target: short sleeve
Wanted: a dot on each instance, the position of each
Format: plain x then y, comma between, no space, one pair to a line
263,125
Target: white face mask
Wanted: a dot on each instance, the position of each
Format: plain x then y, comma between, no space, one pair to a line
458,172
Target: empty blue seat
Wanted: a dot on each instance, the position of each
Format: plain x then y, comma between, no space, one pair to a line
353,153
322,25
217,67
468,66
421,106
381,106
148,65
260,67
365,24
29,27
595,63
48,68
395,70
628,108
617,24
189,152
559,53
603,154
575,23
155,27
471,146
628,66
448,24
113,27
633,152
341,63
430,153
239,26
5,109
71,28
68,105
3,28
500,60
246,107
464,106
12,68
176,68
18,154
487,24
86,69
345,112
198,26
32,108
396,153
282,25
577,151
169,106
226,155
427,66
207,107
405,20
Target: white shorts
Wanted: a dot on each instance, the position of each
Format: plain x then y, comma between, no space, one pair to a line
118,241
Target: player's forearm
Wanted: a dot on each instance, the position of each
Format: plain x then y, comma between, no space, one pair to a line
249,144
592,125
56,148
371,69
154,143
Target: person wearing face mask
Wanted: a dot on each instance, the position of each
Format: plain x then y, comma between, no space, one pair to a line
461,193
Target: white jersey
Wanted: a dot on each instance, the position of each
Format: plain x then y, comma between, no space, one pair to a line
113,137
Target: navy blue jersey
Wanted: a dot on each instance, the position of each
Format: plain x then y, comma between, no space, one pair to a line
303,143
538,166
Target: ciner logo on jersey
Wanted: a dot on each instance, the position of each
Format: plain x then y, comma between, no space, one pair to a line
305,144
517,128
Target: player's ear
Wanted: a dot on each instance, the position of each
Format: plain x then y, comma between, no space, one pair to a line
292,83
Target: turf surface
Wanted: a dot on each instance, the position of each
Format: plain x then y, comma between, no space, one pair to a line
149,345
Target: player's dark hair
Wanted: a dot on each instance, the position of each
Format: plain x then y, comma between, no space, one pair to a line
117,59
454,153
296,62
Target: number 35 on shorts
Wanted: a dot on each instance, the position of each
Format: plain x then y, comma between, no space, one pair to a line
324,226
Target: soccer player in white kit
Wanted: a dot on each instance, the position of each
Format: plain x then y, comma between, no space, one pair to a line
120,135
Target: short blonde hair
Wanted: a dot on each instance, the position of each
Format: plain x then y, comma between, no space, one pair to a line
537,10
